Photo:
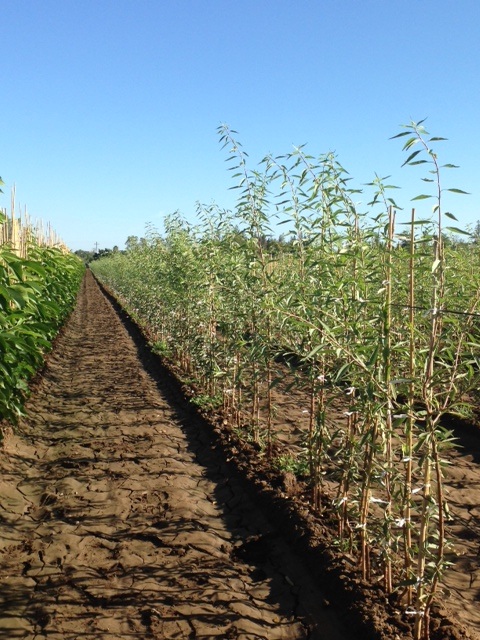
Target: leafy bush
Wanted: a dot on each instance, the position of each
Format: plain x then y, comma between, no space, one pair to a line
36,295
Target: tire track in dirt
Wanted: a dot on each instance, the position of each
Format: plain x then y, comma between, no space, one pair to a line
111,529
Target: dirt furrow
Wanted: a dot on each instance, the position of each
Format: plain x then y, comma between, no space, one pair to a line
118,521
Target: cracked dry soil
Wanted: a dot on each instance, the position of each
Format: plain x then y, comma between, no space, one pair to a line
118,520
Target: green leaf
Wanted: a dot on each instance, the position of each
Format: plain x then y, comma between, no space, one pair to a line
373,357
341,373
450,215
400,135
416,223
393,203
312,352
20,295
421,197
411,156
457,230
16,266
458,191
410,143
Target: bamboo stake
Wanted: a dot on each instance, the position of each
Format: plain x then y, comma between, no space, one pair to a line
387,348
13,227
407,500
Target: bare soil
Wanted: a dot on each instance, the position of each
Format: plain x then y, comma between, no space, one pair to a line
125,514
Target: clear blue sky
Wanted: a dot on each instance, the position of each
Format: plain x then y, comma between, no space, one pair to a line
110,108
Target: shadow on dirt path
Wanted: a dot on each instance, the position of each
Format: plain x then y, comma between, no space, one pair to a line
119,519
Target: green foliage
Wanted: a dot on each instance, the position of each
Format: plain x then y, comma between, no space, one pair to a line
36,295
205,402
291,464
160,348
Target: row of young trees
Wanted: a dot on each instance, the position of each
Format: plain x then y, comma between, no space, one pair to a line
382,318
39,281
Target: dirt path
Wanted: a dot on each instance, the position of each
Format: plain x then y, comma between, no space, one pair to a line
117,521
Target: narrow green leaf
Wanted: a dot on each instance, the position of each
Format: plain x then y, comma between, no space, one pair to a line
450,215
373,357
421,197
393,203
312,352
416,223
459,191
409,143
457,230
400,135
341,372
411,156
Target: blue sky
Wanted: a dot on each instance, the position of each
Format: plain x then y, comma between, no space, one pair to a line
110,108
